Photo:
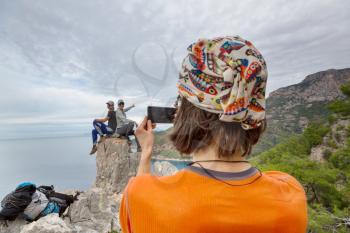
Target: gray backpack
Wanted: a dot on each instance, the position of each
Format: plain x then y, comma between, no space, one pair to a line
36,206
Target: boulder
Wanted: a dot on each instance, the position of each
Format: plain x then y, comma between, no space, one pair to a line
114,165
95,211
13,226
51,223
164,168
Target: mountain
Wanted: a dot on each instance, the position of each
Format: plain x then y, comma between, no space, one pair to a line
288,109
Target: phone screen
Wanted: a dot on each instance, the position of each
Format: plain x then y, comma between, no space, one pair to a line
161,114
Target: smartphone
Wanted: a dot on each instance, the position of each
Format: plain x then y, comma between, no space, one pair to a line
161,114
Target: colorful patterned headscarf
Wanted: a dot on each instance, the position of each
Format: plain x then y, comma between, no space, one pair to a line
226,75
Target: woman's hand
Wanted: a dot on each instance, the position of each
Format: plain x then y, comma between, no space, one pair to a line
145,136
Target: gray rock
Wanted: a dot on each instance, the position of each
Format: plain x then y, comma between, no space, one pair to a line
164,168
96,210
13,226
115,165
51,223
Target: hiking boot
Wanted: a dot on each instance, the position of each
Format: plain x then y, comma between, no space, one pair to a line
93,150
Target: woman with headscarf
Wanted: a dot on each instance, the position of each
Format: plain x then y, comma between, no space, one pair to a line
220,117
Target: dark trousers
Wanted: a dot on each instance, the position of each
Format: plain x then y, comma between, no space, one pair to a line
128,130
100,129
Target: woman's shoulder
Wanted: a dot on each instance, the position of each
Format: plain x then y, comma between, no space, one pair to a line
282,179
150,183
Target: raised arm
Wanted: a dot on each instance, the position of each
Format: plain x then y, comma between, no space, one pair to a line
144,134
128,108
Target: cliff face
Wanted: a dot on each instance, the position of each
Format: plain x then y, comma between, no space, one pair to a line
295,105
290,109
114,165
97,209
321,86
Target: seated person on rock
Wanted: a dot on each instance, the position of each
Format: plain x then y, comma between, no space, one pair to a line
125,127
220,117
101,129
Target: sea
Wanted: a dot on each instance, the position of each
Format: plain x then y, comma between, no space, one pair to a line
61,161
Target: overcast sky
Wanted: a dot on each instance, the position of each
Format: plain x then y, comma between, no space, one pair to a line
60,61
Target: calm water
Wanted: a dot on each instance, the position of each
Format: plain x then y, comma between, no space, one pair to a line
62,161
178,164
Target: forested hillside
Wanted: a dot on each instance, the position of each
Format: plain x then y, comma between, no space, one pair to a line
326,180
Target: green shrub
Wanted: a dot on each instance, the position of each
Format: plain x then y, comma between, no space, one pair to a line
326,154
348,131
341,158
341,107
314,133
346,89
337,137
331,119
323,221
339,127
332,144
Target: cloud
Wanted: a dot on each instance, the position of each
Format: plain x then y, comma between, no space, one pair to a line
59,60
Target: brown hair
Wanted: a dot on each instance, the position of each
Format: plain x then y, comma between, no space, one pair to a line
195,129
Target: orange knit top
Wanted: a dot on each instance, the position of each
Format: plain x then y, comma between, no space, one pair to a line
191,202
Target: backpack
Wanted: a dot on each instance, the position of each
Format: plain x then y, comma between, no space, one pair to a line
34,202
36,206
58,202
17,201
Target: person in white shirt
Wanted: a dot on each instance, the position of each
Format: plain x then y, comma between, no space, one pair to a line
125,127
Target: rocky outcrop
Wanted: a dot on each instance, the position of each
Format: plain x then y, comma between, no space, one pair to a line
294,105
321,86
49,224
12,227
164,168
288,104
114,165
335,138
97,209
